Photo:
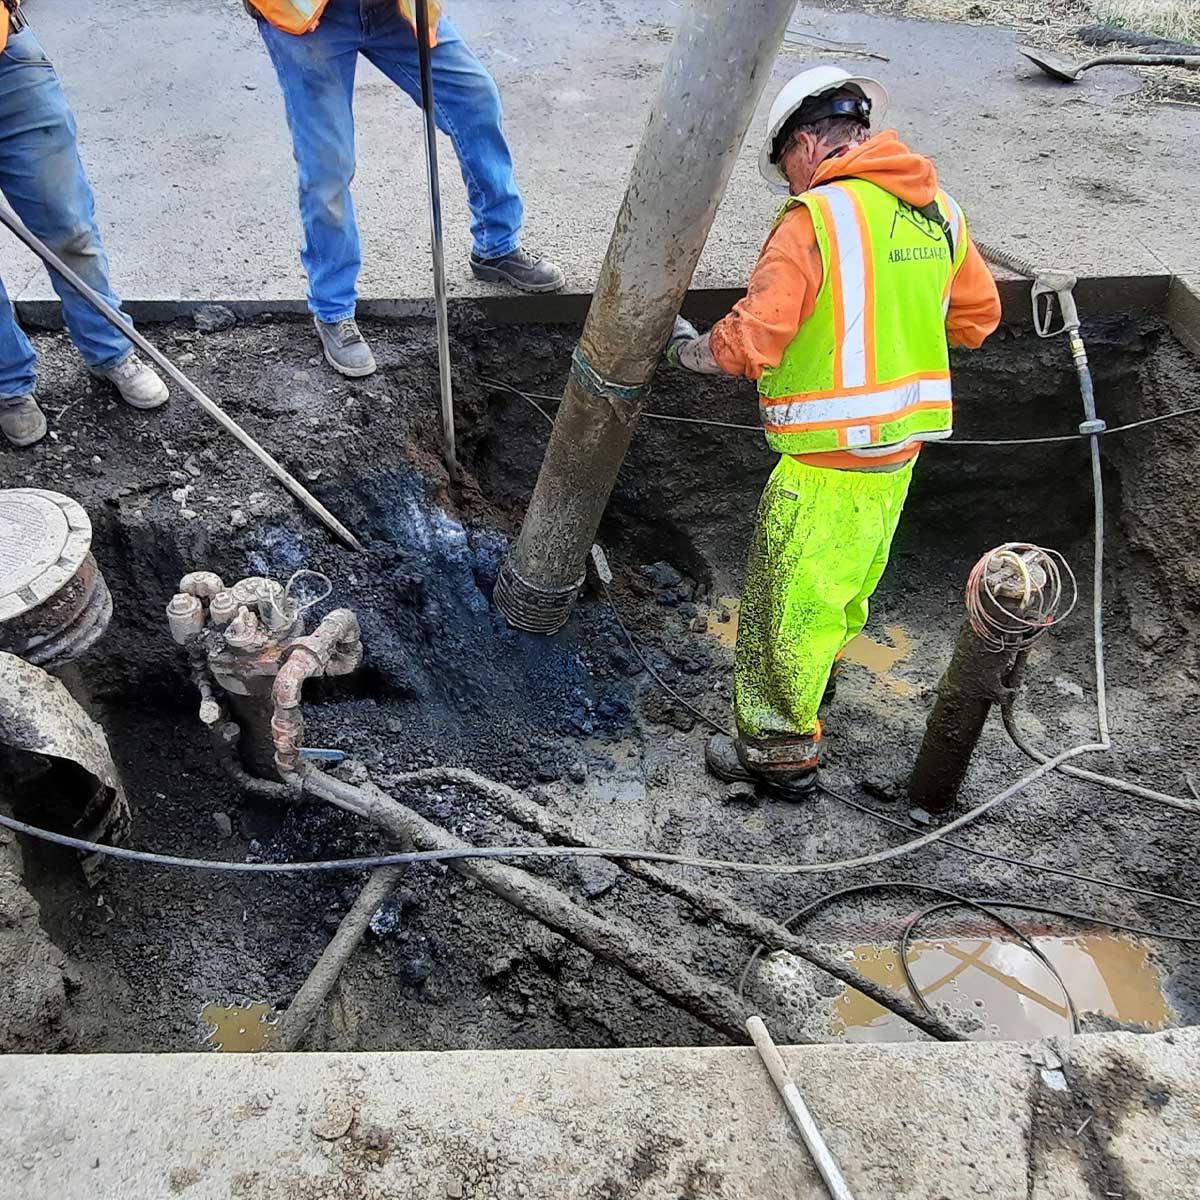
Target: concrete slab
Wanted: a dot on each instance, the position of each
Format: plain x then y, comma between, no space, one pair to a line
554,1124
905,1121
1143,1095
183,131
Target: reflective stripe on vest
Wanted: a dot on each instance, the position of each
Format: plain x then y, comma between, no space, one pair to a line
869,371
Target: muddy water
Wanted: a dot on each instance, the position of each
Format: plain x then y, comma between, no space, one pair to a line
238,1029
1001,989
878,657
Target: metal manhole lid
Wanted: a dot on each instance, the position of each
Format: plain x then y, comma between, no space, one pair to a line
44,537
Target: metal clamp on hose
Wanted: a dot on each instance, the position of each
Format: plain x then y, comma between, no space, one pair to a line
1096,425
624,397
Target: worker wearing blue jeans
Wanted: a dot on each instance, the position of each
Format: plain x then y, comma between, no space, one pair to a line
44,181
316,69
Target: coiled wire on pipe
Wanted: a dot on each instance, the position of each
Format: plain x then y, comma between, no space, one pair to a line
998,627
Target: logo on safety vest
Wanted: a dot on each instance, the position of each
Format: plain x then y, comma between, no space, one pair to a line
919,221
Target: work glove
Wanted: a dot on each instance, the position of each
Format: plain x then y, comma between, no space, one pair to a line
683,333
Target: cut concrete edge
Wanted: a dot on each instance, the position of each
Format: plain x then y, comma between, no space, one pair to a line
1108,295
1183,310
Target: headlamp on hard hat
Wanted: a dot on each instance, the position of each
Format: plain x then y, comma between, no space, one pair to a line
840,103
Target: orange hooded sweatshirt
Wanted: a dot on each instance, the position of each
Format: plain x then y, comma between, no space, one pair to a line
5,22
783,287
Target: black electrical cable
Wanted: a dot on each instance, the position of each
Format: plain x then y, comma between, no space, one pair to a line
985,906
662,683
1009,860
1055,439
954,901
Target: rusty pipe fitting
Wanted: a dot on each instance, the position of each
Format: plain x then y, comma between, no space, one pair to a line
222,609
185,616
244,634
204,585
333,648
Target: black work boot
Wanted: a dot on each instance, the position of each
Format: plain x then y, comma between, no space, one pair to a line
726,758
520,269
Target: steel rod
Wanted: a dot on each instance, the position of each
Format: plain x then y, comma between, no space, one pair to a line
425,60
15,225
793,1101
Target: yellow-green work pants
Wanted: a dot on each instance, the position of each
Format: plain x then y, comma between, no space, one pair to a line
819,550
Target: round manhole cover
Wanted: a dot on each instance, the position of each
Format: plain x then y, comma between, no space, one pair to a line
44,537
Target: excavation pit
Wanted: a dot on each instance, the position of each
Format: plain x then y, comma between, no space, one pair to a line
134,963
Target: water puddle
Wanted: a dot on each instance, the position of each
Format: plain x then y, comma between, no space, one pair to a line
238,1028
880,657
1001,989
877,657
723,620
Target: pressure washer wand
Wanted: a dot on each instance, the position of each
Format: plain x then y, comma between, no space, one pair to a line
14,224
449,448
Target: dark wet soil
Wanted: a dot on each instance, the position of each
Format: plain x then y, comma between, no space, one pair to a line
572,719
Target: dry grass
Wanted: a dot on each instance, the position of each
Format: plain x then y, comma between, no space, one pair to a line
1051,23
1178,19
1164,18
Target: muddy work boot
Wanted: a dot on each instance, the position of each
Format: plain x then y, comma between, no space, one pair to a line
731,760
520,269
22,421
346,350
139,384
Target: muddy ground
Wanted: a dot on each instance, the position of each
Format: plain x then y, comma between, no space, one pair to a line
572,719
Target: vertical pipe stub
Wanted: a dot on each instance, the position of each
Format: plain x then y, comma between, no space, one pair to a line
54,602
711,82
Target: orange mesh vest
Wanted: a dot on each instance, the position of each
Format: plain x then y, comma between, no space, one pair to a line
302,16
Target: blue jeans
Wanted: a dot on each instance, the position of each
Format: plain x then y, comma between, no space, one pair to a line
44,181
316,73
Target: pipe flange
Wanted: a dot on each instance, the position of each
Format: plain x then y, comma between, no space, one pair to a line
531,608
44,538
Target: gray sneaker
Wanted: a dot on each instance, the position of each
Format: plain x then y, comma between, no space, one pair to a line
139,384
346,350
22,421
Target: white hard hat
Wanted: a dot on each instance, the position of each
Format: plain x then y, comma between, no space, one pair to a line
798,89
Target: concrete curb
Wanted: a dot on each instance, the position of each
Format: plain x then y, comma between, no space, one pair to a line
1110,1114
1098,296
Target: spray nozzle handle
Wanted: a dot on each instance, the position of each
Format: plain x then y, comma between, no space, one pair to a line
1049,285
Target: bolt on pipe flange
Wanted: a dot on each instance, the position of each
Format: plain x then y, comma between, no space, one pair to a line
531,608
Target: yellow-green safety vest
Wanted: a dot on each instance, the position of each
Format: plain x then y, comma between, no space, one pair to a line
869,371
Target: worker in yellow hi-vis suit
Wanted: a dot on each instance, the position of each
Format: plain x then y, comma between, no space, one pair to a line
867,272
